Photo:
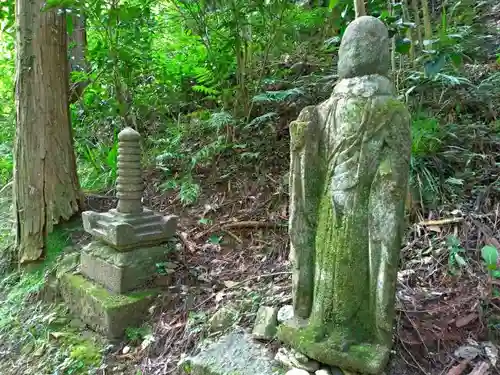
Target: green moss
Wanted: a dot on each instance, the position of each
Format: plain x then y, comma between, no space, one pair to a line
334,350
108,299
341,300
55,243
298,134
87,353
43,330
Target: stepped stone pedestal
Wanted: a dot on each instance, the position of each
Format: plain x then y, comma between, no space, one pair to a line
125,231
122,272
105,312
115,287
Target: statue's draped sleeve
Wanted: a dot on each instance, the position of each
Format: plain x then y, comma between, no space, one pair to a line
387,198
305,183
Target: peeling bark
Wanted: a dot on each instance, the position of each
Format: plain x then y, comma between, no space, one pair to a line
46,188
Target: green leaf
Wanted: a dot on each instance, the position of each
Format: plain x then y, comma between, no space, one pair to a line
215,239
496,274
403,45
455,181
452,241
490,256
332,4
384,15
112,158
433,67
460,260
205,221
456,59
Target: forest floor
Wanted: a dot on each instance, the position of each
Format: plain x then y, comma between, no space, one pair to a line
235,253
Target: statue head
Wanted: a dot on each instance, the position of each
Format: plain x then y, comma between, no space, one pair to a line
364,49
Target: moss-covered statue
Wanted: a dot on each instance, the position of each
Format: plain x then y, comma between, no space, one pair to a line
349,174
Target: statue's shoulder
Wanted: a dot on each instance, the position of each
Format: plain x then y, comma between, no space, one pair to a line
391,109
309,113
401,114
304,126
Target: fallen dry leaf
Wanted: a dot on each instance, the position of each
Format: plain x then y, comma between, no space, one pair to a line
57,335
463,321
219,296
480,369
230,284
458,369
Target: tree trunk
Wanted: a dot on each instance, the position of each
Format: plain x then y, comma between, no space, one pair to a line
427,24
46,188
359,8
77,39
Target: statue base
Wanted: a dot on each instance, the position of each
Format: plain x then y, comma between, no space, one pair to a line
125,232
332,350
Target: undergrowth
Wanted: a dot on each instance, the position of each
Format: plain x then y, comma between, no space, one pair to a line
37,337
200,89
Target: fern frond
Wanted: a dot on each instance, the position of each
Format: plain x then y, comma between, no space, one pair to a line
189,192
205,90
258,121
220,119
278,96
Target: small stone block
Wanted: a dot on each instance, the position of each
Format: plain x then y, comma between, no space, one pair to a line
122,272
363,358
297,371
265,323
285,313
106,313
127,231
235,353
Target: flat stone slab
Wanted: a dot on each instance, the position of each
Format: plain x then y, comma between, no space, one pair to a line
128,231
265,323
363,358
122,272
235,353
106,313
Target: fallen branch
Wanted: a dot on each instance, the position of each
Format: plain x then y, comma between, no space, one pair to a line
251,224
236,238
418,365
451,220
188,244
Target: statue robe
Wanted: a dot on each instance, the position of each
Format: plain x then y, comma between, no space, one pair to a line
349,174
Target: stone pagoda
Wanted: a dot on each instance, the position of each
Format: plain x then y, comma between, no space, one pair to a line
117,268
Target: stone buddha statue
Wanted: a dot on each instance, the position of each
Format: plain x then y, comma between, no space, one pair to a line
348,179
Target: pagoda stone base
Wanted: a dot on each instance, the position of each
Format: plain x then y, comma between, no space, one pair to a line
122,272
104,312
128,231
